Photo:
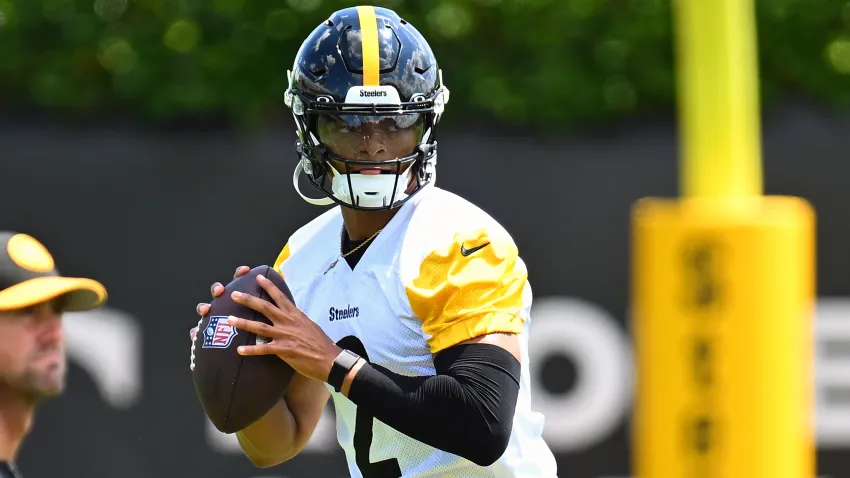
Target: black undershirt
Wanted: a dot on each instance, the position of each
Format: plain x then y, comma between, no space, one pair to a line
8,470
347,245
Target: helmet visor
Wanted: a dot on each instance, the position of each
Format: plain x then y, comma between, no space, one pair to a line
365,137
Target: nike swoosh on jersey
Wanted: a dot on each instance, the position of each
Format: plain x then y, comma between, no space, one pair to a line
465,252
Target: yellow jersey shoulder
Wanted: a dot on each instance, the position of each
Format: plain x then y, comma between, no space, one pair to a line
302,245
462,273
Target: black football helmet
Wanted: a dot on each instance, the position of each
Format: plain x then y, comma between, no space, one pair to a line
365,65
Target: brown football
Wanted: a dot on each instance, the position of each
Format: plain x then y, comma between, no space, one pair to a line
236,391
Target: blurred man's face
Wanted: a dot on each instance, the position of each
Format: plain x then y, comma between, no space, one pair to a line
32,351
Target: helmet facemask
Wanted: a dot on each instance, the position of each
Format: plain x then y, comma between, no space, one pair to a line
367,156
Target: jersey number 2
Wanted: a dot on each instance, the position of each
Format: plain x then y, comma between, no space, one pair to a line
363,429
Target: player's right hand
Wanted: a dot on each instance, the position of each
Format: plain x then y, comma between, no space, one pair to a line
216,289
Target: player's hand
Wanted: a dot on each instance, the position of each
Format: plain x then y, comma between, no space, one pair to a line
293,337
215,290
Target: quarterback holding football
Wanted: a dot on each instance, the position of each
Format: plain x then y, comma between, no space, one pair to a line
412,303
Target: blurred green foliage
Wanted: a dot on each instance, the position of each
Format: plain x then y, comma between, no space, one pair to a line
537,62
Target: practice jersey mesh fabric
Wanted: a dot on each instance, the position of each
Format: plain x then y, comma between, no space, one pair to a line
441,272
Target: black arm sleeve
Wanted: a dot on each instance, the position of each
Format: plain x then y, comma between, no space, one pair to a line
466,409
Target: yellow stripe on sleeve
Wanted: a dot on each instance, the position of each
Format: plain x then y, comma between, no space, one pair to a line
284,255
369,45
461,297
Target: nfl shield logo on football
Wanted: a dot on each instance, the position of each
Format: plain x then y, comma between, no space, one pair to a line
219,334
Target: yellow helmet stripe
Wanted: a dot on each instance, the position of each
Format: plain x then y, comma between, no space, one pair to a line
369,38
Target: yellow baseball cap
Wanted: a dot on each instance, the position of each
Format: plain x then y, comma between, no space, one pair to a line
28,276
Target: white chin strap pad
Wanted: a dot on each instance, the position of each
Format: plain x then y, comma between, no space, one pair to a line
370,190
315,201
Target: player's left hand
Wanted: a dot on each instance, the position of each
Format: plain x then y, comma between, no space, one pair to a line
294,338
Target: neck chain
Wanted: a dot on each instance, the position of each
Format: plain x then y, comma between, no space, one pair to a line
342,241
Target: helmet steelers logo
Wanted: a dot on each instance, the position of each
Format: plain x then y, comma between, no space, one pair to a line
29,254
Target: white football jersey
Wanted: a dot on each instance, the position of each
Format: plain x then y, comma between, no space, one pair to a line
441,272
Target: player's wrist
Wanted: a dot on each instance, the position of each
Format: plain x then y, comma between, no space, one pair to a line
349,377
342,365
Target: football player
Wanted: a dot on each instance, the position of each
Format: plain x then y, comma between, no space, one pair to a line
412,303
32,353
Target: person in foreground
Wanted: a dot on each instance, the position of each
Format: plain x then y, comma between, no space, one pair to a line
32,351
413,304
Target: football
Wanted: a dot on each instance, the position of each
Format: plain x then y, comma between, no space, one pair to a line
235,391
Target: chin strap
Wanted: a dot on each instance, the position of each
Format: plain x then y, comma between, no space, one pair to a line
316,201
342,190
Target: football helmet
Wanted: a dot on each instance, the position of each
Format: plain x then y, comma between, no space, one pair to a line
366,73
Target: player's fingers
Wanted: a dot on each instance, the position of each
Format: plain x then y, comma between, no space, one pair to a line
241,270
193,332
276,294
259,349
262,306
202,309
256,327
216,289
